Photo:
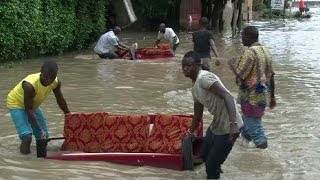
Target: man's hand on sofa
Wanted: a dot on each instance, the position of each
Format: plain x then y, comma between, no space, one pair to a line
191,134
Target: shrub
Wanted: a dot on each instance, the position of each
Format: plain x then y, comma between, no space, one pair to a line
45,27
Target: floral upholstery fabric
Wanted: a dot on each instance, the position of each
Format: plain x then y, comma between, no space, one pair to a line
101,132
166,134
125,133
77,130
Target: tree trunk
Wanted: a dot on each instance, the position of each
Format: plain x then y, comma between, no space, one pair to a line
221,22
240,18
204,8
210,13
234,17
215,14
177,15
217,20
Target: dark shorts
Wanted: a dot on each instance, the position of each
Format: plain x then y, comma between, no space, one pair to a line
114,55
206,63
215,150
109,55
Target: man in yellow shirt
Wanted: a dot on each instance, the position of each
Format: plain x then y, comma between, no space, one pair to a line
25,98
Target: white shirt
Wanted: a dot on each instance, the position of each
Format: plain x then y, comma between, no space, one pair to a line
106,43
168,35
216,106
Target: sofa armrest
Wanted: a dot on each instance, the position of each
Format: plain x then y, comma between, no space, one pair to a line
191,151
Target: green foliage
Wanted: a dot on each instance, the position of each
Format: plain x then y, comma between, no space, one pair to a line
90,22
272,14
152,12
265,10
20,28
30,28
153,9
58,25
258,6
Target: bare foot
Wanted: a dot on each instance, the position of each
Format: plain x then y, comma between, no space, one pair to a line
263,146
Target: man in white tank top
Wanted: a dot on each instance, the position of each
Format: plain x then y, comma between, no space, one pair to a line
169,35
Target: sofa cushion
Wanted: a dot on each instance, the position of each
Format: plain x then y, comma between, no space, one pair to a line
166,134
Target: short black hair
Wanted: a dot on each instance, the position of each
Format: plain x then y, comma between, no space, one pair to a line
204,22
50,66
251,32
117,29
163,25
194,55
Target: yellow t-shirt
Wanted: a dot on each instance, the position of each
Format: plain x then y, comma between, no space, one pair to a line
15,98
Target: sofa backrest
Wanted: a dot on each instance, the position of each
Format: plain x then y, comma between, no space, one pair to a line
102,132
125,133
77,131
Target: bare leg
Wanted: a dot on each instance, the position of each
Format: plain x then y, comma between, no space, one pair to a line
25,144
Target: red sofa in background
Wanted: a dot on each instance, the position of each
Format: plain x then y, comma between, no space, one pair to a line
153,140
162,51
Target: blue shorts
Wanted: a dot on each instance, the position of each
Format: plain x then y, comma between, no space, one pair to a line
24,127
252,130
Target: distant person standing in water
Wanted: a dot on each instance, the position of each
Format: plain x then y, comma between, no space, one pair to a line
203,42
255,78
169,35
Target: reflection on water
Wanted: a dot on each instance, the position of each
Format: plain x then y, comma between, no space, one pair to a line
137,87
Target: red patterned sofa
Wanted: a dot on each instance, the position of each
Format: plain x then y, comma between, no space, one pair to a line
153,140
162,51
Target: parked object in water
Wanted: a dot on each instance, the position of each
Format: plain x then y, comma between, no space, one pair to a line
298,14
303,11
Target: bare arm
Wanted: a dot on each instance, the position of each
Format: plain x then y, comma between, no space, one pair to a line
214,48
174,40
29,94
121,46
272,88
60,99
157,42
219,90
160,35
198,113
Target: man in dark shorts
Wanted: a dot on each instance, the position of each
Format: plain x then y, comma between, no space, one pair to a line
203,42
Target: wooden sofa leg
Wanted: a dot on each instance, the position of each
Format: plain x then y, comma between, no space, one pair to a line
187,153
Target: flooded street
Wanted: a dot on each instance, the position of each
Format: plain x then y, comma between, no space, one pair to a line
90,84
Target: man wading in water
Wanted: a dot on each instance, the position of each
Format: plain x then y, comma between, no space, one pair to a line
255,78
25,98
203,42
208,91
